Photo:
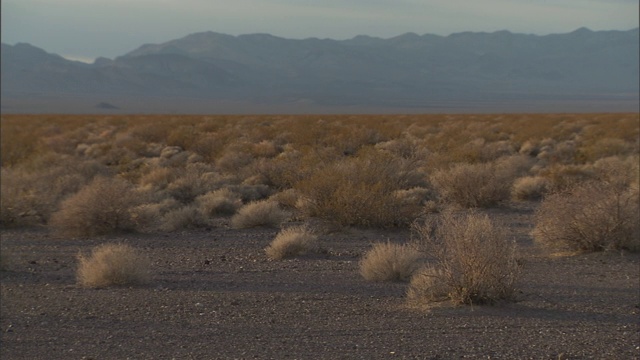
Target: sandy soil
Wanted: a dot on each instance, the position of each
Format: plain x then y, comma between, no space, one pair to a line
215,295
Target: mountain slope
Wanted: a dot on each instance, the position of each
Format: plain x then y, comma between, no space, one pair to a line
407,71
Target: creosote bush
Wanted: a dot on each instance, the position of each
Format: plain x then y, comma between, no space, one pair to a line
530,188
390,262
472,261
365,170
358,191
592,216
220,202
259,213
183,218
292,242
473,185
113,265
101,207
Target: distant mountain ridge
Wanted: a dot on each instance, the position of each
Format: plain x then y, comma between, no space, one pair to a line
409,71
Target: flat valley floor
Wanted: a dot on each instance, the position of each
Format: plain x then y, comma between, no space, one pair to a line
215,295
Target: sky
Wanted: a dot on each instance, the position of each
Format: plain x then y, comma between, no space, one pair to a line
87,29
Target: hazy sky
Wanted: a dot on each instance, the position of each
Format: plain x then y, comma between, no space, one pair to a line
86,29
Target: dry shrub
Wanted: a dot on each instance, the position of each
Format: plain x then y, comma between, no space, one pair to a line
288,199
195,180
292,242
101,207
427,286
563,177
113,264
593,216
473,185
530,188
529,148
30,195
416,196
149,217
233,161
565,152
357,191
18,199
390,262
474,262
159,178
606,147
259,213
617,171
283,171
19,141
220,202
248,192
265,148
185,217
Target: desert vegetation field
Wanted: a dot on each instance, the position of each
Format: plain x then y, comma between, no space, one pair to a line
420,219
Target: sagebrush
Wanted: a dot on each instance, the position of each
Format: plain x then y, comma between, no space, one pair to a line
592,216
472,260
101,207
260,213
291,242
387,261
113,265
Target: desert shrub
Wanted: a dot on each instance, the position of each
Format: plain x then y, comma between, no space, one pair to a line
259,213
292,242
530,188
427,286
18,142
220,202
292,166
593,216
18,200
473,185
513,166
113,264
564,152
563,177
31,193
473,260
195,180
618,172
186,217
529,148
183,136
159,178
287,199
249,193
101,207
606,147
483,151
389,262
151,132
149,217
265,148
283,171
416,196
357,191
232,161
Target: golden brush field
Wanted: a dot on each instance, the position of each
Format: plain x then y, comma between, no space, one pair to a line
504,236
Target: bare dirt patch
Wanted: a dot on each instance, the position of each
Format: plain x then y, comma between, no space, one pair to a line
216,295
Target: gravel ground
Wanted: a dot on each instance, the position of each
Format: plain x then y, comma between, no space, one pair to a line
215,295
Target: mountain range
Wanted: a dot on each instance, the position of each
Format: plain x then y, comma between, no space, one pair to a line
210,72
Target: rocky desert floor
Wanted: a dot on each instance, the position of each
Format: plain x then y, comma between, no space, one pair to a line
216,295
